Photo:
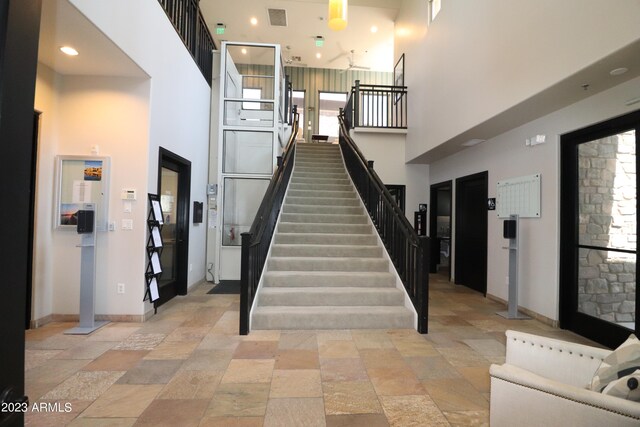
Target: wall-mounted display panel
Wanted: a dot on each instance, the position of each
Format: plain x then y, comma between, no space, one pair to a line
79,180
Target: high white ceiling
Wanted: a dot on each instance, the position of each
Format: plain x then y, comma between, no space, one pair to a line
63,25
307,19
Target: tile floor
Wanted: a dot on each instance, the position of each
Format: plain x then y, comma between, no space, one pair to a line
188,367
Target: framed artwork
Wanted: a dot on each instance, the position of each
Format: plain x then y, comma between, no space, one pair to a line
80,180
398,76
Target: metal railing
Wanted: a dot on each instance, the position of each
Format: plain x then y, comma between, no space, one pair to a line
256,242
377,106
408,251
187,19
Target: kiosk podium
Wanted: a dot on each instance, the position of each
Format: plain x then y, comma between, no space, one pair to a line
87,229
511,231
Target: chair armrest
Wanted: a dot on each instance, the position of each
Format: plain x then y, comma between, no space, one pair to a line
519,397
562,361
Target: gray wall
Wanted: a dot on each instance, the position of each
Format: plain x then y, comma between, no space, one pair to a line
314,80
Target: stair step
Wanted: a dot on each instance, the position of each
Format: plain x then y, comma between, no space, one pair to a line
326,264
312,160
320,186
323,218
320,167
309,250
328,279
338,210
332,317
322,296
323,193
307,174
293,227
324,201
325,239
316,180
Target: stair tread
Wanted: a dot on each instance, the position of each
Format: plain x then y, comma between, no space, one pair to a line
334,309
331,289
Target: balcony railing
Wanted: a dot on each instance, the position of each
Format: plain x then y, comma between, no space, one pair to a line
187,19
376,106
408,251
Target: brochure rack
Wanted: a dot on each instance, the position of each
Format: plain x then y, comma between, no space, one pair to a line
155,221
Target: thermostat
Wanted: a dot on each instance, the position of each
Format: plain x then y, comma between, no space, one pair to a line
128,194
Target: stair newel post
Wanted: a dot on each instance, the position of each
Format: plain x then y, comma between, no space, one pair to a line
245,286
422,288
356,105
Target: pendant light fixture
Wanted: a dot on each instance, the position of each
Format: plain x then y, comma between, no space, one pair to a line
337,15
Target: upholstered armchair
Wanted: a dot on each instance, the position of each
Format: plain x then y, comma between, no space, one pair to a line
543,382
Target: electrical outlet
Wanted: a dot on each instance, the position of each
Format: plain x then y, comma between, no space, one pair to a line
190,267
121,288
112,226
506,280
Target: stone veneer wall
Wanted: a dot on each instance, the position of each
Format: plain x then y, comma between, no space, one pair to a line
607,209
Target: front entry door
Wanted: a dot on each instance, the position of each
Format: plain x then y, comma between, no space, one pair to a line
471,232
599,224
174,182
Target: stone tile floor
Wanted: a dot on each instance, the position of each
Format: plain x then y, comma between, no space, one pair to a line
187,366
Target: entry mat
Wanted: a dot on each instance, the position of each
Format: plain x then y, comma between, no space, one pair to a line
226,287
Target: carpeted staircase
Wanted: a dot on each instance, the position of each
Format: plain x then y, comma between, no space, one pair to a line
326,269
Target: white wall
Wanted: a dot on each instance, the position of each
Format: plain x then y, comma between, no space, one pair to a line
79,112
387,150
506,156
46,102
479,59
179,108
129,118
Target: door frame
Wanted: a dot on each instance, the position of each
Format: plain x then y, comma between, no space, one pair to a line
485,225
433,224
170,160
32,218
601,331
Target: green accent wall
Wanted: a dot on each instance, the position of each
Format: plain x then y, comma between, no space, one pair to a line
315,80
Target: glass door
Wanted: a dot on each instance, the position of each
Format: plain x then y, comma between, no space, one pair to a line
168,197
174,182
599,230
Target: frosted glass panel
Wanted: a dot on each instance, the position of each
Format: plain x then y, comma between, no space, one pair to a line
248,152
242,198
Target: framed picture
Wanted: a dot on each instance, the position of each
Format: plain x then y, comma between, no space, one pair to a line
80,180
398,76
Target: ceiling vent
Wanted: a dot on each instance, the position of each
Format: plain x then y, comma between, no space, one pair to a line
278,17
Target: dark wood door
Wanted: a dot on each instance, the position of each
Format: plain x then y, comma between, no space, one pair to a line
19,30
174,186
471,232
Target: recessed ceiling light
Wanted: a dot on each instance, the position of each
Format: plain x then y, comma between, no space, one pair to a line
618,71
472,142
244,51
374,29
69,50
318,55
254,21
